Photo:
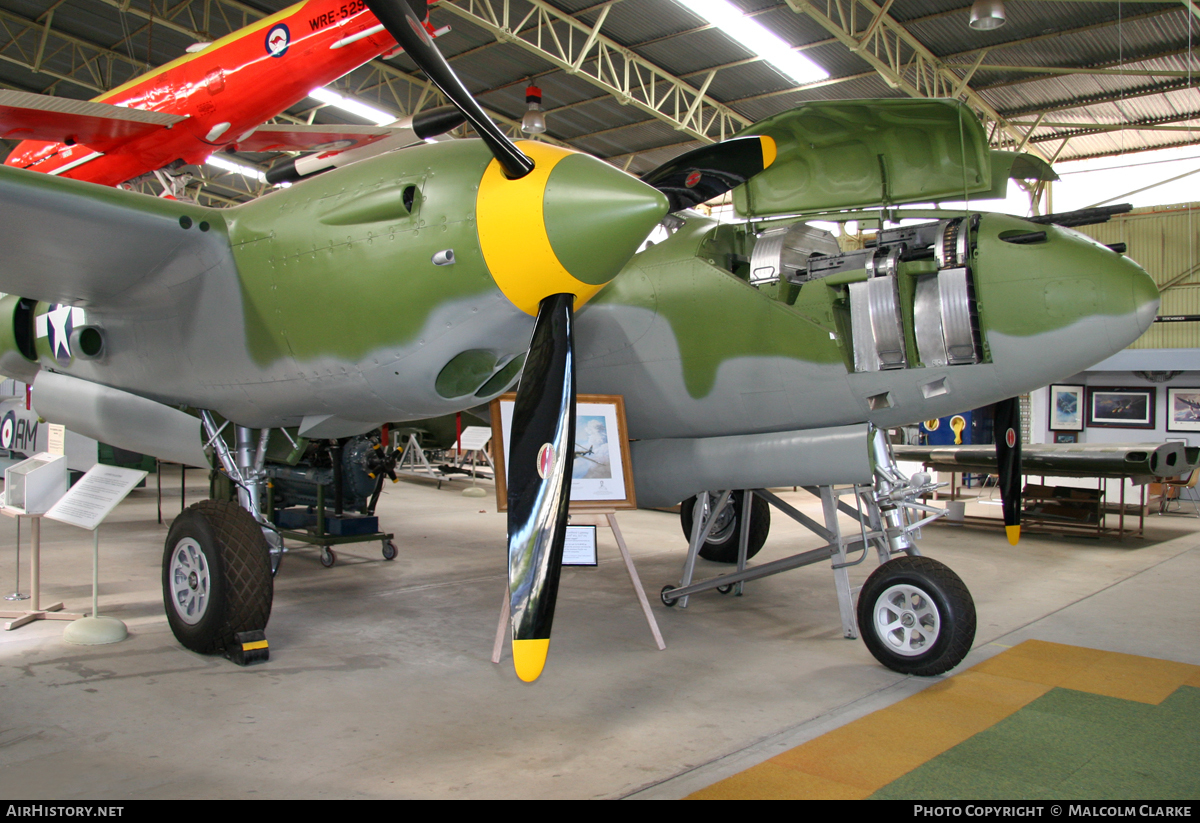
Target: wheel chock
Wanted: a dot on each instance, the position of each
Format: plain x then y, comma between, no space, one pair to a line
249,647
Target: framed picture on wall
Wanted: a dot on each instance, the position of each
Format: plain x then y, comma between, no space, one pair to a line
1066,408
602,474
1183,410
1066,437
1117,408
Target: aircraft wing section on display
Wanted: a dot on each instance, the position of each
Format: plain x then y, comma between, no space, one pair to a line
71,242
25,116
1066,459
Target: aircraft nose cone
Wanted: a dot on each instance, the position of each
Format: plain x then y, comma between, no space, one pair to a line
597,216
1146,300
567,227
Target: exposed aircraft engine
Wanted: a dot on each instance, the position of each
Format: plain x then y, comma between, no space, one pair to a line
358,465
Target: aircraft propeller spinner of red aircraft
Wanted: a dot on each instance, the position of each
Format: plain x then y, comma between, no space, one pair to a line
218,97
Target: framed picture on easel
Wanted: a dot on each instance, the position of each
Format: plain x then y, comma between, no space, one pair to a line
602,474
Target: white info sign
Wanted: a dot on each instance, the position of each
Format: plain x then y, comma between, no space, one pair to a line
96,494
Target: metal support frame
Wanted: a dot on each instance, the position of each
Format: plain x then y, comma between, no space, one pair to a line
418,465
245,470
889,517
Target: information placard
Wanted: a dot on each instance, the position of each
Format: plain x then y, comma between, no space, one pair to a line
475,437
580,546
96,494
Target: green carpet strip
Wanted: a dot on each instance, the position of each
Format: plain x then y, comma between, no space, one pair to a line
1038,721
1070,745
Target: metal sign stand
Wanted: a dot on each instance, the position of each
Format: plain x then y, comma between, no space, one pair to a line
16,594
592,518
95,630
38,612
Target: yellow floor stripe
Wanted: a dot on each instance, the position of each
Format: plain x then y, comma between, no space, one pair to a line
867,754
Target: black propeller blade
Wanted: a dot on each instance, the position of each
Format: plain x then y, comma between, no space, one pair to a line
570,200
701,174
1007,428
541,454
403,24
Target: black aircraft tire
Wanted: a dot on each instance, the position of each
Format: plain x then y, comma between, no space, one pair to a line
723,546
907,593
216,576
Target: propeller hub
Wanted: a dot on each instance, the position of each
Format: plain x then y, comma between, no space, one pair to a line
567,227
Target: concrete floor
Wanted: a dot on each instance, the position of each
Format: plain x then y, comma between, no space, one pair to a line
380,682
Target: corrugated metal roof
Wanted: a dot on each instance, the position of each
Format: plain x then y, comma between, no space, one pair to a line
1145,36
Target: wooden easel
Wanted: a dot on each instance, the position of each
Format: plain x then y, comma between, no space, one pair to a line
37,612
592,517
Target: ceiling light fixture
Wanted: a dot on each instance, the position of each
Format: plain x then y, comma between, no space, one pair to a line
987,15
534,121
338,101
238,168
755,37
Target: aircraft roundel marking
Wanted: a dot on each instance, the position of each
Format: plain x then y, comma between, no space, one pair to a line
1010,437
278,40
6,430
545,460
692,179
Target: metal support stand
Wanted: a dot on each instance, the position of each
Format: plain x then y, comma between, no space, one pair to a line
599,518
888,517
413,461
38,612
182,485
16,593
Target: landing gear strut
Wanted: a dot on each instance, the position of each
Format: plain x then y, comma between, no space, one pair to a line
915,614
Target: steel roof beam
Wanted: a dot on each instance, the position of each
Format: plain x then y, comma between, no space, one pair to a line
581,50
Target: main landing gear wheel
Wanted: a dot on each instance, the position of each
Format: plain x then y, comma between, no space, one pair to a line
216,576
721,546
916,616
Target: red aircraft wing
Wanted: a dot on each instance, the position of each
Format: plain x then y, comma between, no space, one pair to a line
311,138
25,116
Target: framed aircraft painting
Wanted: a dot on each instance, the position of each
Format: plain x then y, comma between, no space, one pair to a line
602,474
1183,410
1066,408
1117,408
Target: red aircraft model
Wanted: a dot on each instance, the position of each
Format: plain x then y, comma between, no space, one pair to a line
217,97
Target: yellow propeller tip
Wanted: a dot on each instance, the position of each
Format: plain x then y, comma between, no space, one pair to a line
1014,534
529,658
768,150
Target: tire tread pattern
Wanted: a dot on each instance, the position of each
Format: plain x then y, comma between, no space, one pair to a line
242,560
249,589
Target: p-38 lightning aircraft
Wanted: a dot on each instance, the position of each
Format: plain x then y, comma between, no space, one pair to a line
217,97
426,281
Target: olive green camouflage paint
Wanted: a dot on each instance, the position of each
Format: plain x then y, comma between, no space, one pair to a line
715,317
335,242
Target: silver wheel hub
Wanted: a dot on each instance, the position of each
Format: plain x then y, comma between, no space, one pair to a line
190,581
906,620
723,523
